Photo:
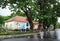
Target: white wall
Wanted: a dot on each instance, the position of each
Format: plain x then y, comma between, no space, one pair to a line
10,25
35,26
15,25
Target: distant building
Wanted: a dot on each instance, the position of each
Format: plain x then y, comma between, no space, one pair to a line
17,22
35,24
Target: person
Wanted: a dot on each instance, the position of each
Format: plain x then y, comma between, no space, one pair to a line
41,34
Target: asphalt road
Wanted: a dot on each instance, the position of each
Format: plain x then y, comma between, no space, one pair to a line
28,39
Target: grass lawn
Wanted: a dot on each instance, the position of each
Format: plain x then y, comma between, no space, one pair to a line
15,33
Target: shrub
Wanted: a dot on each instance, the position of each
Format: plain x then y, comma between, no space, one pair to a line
16,30
58,25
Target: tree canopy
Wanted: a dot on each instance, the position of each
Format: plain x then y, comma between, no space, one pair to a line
45,12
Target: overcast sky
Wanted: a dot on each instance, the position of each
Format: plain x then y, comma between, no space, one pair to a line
5,11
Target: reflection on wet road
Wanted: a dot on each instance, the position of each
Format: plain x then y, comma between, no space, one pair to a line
29,38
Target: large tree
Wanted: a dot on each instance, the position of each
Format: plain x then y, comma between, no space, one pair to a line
43,10
48,12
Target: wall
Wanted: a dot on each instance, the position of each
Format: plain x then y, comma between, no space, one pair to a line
11,25
22,25
16,25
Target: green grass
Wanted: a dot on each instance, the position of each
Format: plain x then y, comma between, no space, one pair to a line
15,33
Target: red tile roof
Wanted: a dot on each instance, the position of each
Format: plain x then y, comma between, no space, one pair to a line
18,18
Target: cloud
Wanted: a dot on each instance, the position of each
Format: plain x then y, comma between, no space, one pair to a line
5,11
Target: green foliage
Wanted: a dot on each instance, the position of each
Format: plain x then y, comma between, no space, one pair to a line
15,33
51,27
58,25
0,26
46,11
1,20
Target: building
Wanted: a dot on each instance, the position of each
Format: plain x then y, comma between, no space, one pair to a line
35,24
17,22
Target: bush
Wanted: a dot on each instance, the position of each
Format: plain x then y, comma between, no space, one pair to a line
16,30
14,33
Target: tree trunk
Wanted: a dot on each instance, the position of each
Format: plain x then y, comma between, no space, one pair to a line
41,4
29,18
40,24
31,26
54,26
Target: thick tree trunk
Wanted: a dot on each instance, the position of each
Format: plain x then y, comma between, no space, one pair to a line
40,24
29,18
41,4
30,21
31,26
54,26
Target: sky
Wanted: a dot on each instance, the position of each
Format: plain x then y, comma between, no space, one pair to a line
58,19
5,11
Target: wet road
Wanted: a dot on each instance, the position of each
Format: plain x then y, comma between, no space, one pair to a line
29,38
